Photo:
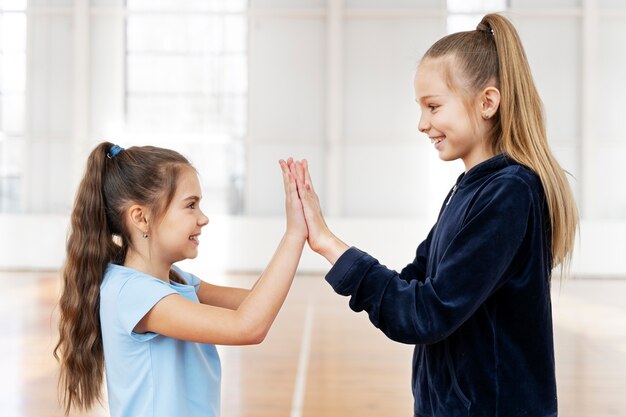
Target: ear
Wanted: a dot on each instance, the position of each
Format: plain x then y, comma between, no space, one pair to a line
490,102
138,218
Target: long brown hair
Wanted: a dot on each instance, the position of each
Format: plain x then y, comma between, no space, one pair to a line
493,53
98,235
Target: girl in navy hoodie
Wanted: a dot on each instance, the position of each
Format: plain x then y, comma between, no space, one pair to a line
475,301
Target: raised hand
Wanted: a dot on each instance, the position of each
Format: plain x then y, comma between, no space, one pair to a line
296,224
320,238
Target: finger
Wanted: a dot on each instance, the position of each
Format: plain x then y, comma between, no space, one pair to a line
296,170
300,170
292,170
283,167
288,180
307,175
291,163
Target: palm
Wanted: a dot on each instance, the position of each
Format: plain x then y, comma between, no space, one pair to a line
317,229
296,223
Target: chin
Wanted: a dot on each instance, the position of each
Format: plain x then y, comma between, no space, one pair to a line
448,158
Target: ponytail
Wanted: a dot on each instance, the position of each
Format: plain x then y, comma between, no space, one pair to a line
493,54
523,136
114,179
89,248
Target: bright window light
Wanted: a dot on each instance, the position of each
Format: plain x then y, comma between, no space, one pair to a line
466,14
187,88
12,101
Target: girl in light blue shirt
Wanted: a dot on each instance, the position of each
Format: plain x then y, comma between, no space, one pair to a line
127,310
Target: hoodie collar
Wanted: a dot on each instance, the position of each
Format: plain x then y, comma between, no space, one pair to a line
485,168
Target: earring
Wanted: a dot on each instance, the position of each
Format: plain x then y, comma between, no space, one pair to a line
486,116
145,235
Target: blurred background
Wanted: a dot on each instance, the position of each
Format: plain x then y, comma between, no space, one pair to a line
236,85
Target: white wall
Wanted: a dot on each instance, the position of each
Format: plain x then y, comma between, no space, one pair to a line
246,244
330,80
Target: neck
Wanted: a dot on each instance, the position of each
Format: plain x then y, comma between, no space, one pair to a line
476,158
143,263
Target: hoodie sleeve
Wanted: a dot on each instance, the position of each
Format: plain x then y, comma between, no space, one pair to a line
416,270
426,311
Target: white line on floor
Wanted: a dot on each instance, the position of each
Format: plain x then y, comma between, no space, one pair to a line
303,363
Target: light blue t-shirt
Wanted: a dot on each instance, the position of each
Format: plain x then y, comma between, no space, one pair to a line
151,375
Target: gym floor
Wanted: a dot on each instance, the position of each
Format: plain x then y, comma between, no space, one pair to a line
320,359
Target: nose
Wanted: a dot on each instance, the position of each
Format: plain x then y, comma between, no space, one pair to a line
423,124
203,220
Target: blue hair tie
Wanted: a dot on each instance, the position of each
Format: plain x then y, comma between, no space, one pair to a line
115,149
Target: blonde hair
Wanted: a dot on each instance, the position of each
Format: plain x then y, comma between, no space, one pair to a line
494,53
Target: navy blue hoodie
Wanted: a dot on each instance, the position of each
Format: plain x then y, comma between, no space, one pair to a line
475,301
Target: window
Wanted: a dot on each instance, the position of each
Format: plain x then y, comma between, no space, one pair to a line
466,14
12,101
186,88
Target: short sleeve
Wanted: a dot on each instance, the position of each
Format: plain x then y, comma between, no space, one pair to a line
136,298
189,278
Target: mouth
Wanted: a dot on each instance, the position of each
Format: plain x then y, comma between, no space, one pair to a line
437,140
194,238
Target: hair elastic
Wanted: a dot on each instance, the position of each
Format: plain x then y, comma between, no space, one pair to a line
484,28
115,149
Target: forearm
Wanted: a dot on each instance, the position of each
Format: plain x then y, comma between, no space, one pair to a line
378,290
332,249
225,297
261,306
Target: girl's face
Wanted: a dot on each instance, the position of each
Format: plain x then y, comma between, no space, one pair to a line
449,123
176,237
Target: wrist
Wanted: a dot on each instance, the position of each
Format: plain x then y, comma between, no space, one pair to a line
294,237
332,249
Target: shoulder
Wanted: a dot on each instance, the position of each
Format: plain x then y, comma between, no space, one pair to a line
512,190
120,274
188,277
520,173
118,279
116,276
517,180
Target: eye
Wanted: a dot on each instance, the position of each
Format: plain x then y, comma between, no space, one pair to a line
192,205
433,107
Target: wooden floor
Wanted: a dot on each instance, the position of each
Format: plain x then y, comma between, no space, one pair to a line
320,359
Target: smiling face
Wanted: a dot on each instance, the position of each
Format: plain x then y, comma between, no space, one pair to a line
175,237
456,128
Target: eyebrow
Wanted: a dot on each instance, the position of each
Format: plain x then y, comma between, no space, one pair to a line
192,198
424,98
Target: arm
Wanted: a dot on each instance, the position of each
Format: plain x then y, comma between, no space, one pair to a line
474,264
324,242
219,296
228,297
180,318
416,270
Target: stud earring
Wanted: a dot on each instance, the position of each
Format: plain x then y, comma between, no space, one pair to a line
145,235
486,116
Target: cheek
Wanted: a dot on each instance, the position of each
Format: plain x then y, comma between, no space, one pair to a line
441,122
